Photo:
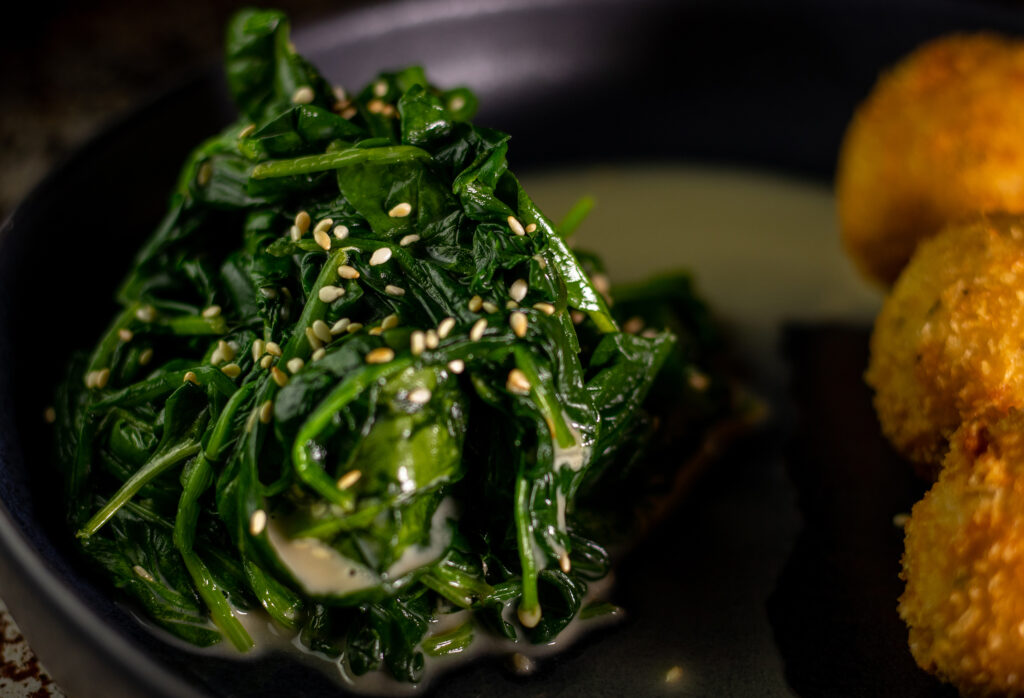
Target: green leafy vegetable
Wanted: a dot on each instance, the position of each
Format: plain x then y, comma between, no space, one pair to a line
359,380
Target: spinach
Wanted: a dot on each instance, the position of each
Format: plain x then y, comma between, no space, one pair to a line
359,379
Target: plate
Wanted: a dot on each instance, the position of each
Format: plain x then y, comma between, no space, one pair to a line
778,574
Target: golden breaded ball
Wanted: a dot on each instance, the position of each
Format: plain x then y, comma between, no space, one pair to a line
948,344
964,563
940,137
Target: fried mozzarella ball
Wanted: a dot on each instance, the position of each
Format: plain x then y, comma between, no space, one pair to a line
964,563
948,344
940,137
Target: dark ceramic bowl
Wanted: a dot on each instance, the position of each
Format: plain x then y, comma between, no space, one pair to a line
769,580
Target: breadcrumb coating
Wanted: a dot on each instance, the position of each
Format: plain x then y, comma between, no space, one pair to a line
948,344
964,563
938,139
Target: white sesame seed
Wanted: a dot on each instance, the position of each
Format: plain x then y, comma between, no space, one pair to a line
102,377
145,357
375,106
257,522
348,479
329,294
518,322
419,396
273,348
267,411
401,210
375,331
531,228
699,381
341,231
674,675
324,225
190,377
247,131
456,103
303,95
431,340
143,573
268,292
649,333
417,342
445,327
380,88
390,322
211,312
321,238
517,382
89,379
294,233
349,112
259,348
541,262
456,366
231,370
295,364
516,226
354,327
517,291
216,357
633,325
489,307
205,174
408,240
339,93
279,376
601,284
302,221
266,361
226,350
393,290
475,303
146,313
477,331
380,355
50,415
578,317
319,354
564,562
545,308
125,335
340,325
314,341
380,255
347,272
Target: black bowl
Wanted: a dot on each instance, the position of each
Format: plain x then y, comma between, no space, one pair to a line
754,83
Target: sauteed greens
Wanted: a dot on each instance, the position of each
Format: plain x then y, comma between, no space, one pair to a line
359,380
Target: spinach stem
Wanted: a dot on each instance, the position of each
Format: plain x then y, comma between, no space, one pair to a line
340,158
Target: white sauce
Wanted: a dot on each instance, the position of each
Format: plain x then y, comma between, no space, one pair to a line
318,568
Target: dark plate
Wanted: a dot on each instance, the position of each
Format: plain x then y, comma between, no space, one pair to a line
778,574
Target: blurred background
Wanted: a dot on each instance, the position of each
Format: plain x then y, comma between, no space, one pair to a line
67,69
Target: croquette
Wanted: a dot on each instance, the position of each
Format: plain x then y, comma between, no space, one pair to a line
939,138
964,563
948,344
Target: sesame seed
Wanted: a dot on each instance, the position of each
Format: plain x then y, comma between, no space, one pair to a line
674,675
250,421
314,341
319,354
633,325
511,305
259,348
143,573
517,291
601,284
417,342
649,333
445,327
419,396
531,228
545,308
295,365
324,225
341,231
89,379
211,312
380,88
516,226
257,522
340,325
517,382
294,233
303,95
279,376
457,103
380,255
347,272
322,330
50,415
375,106
348,479
375,331
205,174
232,370
226,350
268,292
354,327
390,322
145,357
475,303
564,562
146,313
321,238
349,112
302,221
339,93
401,210
477,331
190,377
431,340
273,348
247,131
393,290
578,317
456,366
329,294
267,411
408,240
541,262
102,377
125,335
266,361
489,307
518,323
380,355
